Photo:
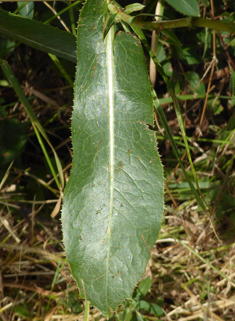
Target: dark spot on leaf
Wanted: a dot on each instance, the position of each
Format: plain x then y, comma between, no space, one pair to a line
99,143
95,66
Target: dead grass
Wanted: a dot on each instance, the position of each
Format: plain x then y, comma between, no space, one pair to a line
35,277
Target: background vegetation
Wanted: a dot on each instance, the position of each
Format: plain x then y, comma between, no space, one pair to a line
190,275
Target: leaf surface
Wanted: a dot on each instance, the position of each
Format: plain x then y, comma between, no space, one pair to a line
187,7
113,202
26,9
39,36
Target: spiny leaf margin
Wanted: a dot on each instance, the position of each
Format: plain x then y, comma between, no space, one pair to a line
111,218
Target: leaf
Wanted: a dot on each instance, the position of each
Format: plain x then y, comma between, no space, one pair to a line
232,43
232,89
194,83
149,307
26,9
172,38
133,7
22,311
113,202
38,35
142,289
187,7
111,21
7,46
206,3
190,56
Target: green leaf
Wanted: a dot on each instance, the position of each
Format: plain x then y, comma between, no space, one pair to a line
149,307
21,311
194,83
232,43
111,21
161,55
185,53
38,35
232,81
7,46
73,303
205,2
172,38
214,106
187,7
26,9
133,7
232,88
143,288
113,202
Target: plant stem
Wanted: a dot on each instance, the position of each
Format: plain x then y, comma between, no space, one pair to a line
190,22
214,24
87,309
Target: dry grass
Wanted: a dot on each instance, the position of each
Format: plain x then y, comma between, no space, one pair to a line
35,277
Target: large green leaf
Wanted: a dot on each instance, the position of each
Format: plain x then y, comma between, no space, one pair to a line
187,7
113,202
38,35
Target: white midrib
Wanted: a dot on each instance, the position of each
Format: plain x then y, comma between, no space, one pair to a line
110,75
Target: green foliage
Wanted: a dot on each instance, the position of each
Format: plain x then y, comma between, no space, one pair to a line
38,35
194,83
26,9
21,311
133,7
113,202
137,308
187,7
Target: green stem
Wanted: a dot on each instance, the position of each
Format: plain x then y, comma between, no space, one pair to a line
214,24
87,309
190,22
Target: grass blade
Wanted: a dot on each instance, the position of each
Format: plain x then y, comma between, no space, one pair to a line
36,125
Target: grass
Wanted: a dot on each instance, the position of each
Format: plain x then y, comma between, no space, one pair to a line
192,267
37,285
